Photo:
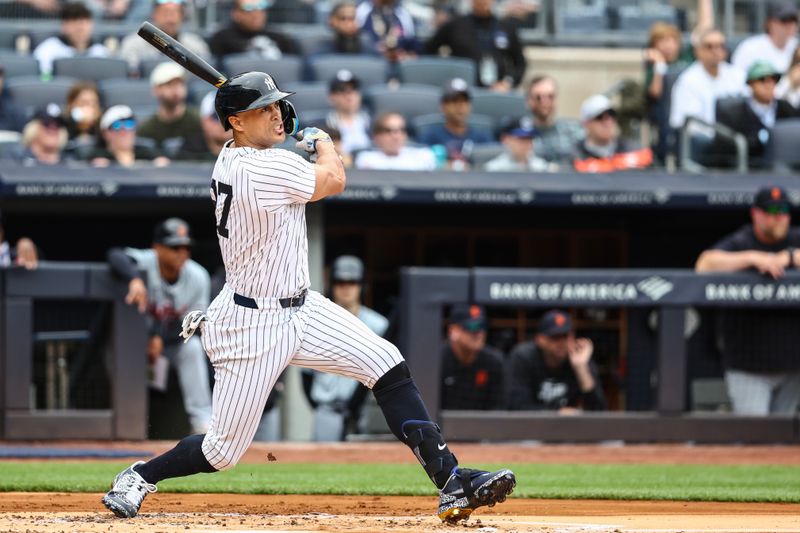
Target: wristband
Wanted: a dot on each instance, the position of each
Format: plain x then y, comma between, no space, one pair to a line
660,68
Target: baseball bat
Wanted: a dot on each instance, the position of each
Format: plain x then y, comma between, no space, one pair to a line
181,55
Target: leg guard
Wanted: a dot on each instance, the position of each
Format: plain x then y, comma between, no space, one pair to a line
407,417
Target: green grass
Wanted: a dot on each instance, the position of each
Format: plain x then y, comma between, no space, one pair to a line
626,482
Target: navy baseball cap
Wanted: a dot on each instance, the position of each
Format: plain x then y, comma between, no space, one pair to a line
173,232
50,114
344,79
455,89
554,322
469,317
347,268
772,200
521,128
782,10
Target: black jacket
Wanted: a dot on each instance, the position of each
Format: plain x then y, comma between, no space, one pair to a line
234,40
737,114
473,37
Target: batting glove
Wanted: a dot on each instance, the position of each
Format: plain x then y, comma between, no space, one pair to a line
309,137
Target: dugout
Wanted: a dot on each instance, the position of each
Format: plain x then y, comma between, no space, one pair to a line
455,220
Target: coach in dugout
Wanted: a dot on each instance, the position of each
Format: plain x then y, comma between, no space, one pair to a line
555,371
759,346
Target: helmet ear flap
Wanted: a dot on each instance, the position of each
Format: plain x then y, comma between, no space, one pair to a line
291,124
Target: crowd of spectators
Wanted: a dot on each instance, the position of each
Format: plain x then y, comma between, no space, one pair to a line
684,80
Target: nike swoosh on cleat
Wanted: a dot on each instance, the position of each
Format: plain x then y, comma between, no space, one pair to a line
441,446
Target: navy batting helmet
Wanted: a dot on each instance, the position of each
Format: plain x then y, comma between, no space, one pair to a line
253,90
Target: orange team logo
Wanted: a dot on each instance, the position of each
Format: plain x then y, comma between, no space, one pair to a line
481,377
474,311
776,193
560,320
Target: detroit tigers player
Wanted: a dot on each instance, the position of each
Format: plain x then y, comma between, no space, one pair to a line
266,318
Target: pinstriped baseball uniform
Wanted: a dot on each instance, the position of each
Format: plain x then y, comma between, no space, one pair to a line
260,198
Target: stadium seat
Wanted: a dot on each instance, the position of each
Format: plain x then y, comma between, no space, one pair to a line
125,91
409,100
8,38
783,144
18,65
498,105
30,92
639,19
422,123
91,68
483,153
312,42
371,70
284,70
146,66
436,70
308,96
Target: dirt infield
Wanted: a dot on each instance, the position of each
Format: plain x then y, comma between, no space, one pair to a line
51,513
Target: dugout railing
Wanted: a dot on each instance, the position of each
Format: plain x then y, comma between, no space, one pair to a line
426,293
123,367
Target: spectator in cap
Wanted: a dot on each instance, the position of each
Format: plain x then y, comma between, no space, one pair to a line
455,134
555,370
167,15
74,40
519,154
556,137
778,42
603,150
117,145
759,347
472,372
165,284
705,81
247,32
11,118
348,114
390,137
347,36
82,114
337,400
753,116
206,147
43,139
492,44
23,254
175,123
789,85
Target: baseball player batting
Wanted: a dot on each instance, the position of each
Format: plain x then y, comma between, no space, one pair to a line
266,317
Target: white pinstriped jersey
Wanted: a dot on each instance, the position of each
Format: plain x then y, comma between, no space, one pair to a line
260,198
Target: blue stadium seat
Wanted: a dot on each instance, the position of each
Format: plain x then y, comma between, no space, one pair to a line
91,68
498,105
409,100
783,144
308,96
371,70
18,65
30,92
437,70
284,70
124,91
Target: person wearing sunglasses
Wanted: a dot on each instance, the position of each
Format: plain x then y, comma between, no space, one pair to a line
391,152
556,136
117,145
554,371
248,32
759,346
603,149
753,116
164,283
43,139
169,16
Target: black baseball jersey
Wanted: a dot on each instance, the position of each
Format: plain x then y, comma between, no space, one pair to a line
758,340
536,386
478,386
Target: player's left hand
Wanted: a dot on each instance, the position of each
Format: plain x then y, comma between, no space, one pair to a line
580,352
309,137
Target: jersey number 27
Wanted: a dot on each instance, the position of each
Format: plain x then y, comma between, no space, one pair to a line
227,190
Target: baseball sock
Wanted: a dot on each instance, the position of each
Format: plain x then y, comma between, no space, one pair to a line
407,417
185,459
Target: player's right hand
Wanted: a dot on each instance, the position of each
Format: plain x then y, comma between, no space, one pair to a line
137,294
309,137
